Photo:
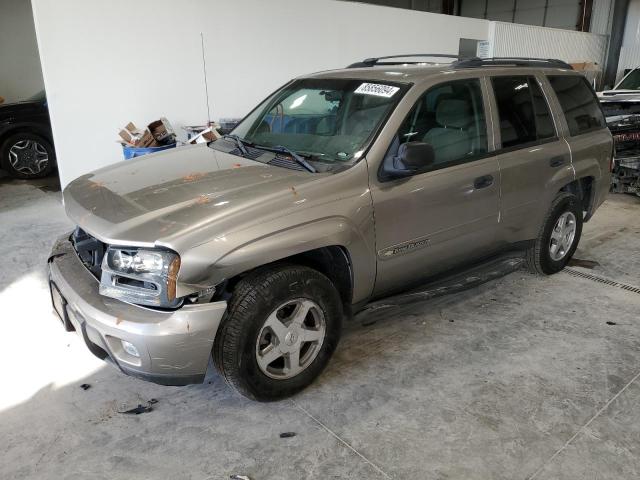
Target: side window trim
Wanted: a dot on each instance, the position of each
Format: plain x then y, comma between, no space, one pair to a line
490,115
493,111
498,149
545,94
559,122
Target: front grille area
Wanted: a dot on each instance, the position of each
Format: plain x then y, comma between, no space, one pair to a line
90,250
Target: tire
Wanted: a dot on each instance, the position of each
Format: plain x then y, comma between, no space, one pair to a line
542,258
246,331
36,146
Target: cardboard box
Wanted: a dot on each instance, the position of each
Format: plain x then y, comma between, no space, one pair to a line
162,131
131,134
147,140
208,135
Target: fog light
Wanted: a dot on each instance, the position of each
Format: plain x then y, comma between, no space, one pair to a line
130,349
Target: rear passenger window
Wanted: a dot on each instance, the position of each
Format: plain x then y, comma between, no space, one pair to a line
522,110
450,117
579,103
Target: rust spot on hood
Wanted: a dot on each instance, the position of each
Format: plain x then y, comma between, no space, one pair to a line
118,321
192,177
203,199
294,191
168,227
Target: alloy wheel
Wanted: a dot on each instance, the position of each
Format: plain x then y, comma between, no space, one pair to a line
290,339
562,236
28,157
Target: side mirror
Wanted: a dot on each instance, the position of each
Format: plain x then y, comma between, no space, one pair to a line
413,157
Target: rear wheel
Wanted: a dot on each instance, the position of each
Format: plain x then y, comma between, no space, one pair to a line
558,237
281,328
27,155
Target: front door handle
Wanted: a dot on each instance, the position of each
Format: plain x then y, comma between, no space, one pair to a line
557,161
483,182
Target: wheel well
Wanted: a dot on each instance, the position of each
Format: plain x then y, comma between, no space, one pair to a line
583,189
23,129
333,261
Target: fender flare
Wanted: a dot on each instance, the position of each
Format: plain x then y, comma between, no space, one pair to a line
279,245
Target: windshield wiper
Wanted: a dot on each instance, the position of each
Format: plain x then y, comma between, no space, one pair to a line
296,156
239,143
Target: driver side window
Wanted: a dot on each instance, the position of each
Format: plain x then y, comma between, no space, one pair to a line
450,117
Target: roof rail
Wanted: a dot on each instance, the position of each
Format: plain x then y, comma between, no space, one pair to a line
511,61
466,62
371,62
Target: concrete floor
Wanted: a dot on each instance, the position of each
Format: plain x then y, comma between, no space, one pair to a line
520,378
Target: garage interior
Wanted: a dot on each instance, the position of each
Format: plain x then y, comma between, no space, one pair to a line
519,376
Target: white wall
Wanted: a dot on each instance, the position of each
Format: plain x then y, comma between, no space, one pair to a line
20,73
106,63
511,39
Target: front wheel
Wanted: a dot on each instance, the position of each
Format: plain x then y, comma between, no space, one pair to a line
281,328
558,237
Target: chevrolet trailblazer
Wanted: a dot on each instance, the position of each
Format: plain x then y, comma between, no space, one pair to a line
340,188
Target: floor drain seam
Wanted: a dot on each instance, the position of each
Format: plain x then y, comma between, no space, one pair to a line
582,428
341,440
603,280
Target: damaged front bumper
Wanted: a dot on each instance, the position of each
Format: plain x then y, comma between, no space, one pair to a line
173,347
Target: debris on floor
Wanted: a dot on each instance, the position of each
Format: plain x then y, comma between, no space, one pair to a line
287,434
577,262
141,408
85,386
240,477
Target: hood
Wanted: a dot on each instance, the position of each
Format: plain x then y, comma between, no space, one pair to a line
155,199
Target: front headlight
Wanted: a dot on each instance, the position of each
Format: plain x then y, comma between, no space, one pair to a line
141,276
136,261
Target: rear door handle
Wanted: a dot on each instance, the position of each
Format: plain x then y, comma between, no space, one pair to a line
557,161
483,182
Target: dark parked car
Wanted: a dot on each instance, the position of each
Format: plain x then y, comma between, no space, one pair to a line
26,143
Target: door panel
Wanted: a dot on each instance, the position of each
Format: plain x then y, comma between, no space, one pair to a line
529,180
434,221
534,162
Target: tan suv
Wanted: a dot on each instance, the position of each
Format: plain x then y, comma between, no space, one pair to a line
340,188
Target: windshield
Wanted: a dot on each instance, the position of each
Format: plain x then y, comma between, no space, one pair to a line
330,120
631,81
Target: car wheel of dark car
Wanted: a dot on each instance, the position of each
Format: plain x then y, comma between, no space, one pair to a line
558,237
281,328
27,155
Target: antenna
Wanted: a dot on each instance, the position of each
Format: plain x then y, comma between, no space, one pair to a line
204,72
